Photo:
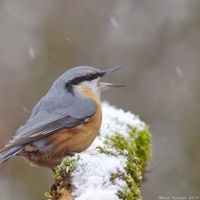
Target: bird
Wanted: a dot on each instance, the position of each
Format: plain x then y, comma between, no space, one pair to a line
65,121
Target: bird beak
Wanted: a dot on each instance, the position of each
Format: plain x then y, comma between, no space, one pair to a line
108,71
105,86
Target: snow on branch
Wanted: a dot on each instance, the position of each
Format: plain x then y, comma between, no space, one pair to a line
112,167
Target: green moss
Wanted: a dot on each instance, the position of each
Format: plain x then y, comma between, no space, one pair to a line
68,164
136,147
63,178
143,146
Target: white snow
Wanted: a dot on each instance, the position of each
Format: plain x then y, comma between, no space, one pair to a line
179,71
68,39
25,109
116,120
114,22
31,52
91,178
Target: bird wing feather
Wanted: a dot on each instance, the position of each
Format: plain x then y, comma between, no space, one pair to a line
43,123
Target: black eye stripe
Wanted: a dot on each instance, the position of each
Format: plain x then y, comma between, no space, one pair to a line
88,77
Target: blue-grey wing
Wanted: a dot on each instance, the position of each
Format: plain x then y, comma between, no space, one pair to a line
44,123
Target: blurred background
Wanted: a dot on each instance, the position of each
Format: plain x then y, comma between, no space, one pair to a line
157,42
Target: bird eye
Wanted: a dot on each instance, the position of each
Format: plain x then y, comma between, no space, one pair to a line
90,77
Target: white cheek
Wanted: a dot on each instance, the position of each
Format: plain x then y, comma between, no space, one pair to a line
92,85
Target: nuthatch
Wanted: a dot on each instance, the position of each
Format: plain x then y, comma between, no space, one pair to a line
65,121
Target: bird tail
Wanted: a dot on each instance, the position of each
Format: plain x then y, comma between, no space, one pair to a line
6,154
